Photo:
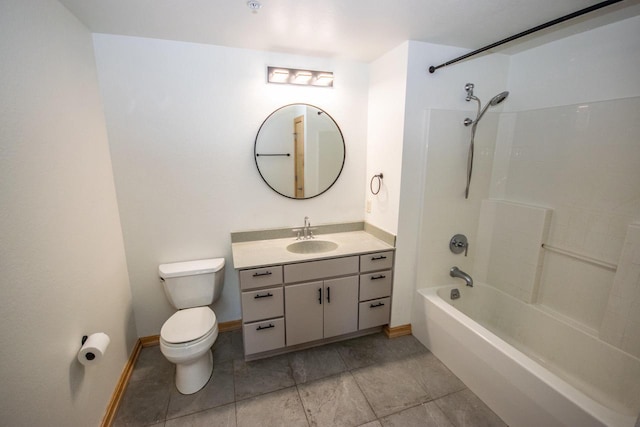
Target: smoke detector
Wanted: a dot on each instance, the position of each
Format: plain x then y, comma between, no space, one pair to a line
254,5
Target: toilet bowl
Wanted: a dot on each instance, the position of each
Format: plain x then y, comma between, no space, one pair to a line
187,336
183,342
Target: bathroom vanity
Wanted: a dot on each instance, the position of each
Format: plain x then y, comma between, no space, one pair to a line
295,300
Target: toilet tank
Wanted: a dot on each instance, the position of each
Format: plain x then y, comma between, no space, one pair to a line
193,283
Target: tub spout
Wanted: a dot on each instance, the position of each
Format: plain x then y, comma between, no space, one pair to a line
456,272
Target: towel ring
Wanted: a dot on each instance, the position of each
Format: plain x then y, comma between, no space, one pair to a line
379,176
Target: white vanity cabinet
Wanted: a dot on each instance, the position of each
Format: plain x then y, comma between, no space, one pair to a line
376,277
309,301
262,309
321,309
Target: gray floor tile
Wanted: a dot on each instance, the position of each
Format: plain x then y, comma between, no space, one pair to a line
316,363
228,346
390,387
222,416
261,376
364,351
424,415
465,409
335,401
152,365
434,377
404,346
144,402
280,408
377,348
218,391
346,383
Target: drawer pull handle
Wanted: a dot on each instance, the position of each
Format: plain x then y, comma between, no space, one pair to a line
382,276
376,258
260,328
328,294
269,294
319,295
380,304
266,273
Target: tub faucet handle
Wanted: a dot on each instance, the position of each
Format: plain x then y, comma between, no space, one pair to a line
458,244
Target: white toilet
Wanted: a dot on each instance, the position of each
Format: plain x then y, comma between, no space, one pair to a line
187,336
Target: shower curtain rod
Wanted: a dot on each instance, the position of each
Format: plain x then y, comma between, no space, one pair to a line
580,12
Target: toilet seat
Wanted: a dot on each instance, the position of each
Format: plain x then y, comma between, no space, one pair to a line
188,325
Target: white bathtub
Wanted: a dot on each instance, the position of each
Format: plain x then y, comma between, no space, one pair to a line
570,378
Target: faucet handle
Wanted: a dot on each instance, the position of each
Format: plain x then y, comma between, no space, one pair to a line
296,230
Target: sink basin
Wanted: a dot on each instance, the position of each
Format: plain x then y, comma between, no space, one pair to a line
311,246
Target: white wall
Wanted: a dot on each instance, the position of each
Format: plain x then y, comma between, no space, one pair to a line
385,129
62,258
182,120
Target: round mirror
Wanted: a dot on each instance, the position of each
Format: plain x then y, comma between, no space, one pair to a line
299,151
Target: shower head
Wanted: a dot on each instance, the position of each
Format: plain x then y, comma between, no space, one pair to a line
499,98
494,101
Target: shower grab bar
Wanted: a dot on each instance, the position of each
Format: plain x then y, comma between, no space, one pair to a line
580,12
581,257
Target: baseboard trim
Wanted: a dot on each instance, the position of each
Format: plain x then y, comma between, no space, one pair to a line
397,331
121,386
150,341
232,325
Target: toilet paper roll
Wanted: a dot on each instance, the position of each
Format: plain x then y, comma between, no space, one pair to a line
93,348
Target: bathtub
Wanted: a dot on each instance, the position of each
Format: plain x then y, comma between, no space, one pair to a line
566,378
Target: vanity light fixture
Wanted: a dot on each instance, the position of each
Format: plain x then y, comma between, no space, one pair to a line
299,77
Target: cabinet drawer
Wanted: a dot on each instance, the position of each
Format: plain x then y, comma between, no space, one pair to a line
374,313
375,285
263,336
314,270
377,261
260,277
262,304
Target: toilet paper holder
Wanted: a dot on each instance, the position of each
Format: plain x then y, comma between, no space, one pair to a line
89,356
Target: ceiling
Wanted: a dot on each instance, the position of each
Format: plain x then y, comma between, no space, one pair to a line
345,29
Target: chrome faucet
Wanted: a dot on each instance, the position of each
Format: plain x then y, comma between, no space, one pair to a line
307,231
456,272
308,234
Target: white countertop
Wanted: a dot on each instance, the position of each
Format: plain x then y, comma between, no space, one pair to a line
260,253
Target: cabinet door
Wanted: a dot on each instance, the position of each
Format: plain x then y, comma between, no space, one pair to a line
303,308
340,306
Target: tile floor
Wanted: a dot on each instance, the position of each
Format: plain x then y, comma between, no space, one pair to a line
370,381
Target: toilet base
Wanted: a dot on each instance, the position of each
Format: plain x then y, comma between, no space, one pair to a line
193,376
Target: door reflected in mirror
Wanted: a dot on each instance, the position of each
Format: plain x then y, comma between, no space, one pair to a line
299,151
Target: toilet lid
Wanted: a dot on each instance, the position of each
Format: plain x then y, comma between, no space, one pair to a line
188,325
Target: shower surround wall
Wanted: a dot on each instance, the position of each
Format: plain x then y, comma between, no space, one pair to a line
572,145
568,142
